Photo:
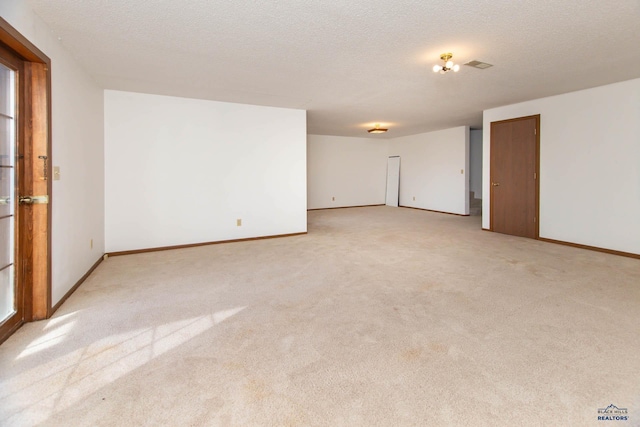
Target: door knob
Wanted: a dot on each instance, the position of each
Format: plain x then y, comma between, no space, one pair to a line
495,184
33,200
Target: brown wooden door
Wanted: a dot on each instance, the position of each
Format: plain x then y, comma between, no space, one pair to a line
514,176
25,182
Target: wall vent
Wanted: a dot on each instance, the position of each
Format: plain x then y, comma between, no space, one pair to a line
478,64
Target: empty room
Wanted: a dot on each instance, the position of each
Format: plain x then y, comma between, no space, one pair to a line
302,213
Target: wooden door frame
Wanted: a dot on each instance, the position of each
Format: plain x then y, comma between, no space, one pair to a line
16,64
491,180
36,133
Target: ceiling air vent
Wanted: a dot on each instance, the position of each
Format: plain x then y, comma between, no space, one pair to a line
478,64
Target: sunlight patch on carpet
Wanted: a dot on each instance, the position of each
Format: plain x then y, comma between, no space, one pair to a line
96,365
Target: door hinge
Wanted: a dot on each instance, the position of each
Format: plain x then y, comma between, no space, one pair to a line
534,219
535,131
535,175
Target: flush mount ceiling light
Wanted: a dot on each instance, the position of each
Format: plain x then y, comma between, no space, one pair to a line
448,64
377,129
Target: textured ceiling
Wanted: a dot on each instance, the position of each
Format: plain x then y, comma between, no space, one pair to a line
352,63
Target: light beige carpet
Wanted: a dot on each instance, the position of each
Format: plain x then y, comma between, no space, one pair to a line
378,317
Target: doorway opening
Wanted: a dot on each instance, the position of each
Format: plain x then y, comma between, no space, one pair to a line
393,181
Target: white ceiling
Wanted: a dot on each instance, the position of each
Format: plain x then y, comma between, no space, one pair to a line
353,63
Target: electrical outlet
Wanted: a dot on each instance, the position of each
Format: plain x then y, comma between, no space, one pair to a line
462,171
414,198
333,199
91,244
56,173
239,222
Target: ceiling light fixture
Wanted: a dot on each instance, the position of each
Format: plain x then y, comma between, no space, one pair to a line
448,64
377,129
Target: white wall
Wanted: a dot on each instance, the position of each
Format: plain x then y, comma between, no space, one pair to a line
78,148
475,163
353,170
430,170
181,171
589,165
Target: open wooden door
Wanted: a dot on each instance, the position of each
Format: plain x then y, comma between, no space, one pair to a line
515,176
25,182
